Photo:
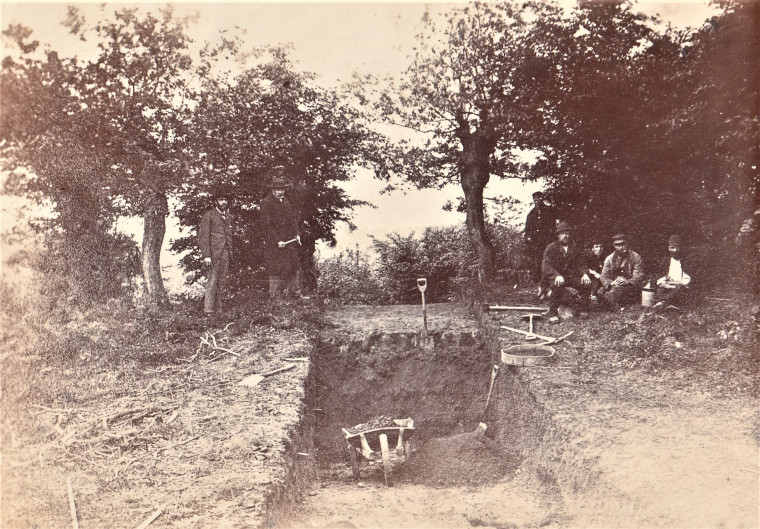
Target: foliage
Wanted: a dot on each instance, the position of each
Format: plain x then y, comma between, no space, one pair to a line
350,278
273,117
443,256
665,141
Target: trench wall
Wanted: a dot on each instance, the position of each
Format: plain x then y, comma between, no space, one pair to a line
299,468
521,421
440,380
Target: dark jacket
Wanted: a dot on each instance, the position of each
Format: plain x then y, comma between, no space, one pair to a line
571,265
629,267
215,234
279,222
540,226
595,263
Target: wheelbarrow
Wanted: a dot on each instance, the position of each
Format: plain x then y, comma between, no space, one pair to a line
374,443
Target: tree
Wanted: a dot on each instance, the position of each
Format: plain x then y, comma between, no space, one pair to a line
657,132
476,90
116,126
271,116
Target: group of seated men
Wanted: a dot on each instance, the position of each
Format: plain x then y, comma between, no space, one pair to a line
572,277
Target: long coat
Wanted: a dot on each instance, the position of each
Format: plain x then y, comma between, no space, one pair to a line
279,222
540,227
215,234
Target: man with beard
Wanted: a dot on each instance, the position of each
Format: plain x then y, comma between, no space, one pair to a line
622,275
215,244
673,287
565,273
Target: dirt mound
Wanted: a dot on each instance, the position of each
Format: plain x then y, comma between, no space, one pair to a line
469,458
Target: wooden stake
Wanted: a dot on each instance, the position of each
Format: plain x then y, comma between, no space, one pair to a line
72,506
152,518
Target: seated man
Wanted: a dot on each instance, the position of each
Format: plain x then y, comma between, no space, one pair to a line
595,263
622,275
674,285
565,273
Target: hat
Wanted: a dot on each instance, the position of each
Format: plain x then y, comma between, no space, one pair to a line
279,183
620,237
675,240
563,226
222,192
538,194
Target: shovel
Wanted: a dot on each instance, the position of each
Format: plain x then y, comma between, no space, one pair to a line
253,380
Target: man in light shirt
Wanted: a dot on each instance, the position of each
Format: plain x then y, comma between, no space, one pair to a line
622,275
674,285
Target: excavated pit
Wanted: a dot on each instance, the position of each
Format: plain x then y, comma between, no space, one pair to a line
441,382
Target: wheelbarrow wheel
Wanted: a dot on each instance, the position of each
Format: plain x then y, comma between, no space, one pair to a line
354,458
386,458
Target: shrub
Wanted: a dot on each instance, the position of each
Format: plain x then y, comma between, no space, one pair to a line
443,256
350,278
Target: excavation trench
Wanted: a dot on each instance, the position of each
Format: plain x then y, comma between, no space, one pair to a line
441,381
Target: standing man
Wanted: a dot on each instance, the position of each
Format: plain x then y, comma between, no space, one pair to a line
674,285
279,223
539,232
565,273
622,275
215,243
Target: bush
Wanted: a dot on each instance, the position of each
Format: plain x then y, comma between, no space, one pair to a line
443,256
349,278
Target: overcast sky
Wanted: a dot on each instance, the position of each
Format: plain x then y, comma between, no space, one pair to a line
331,40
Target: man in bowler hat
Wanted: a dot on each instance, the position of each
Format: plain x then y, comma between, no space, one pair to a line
279,222
215,243
565,272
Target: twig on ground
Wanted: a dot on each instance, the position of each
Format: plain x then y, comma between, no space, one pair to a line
72,506
152,517
156,451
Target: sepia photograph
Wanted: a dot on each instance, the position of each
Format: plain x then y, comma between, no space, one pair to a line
380,264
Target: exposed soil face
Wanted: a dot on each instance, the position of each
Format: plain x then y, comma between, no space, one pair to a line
642,419
630,425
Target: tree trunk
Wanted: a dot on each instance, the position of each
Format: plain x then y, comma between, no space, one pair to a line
475,165
476,228
154,229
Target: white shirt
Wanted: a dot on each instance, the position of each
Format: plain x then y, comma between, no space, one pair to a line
675,274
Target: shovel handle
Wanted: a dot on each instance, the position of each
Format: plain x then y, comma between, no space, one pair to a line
278,370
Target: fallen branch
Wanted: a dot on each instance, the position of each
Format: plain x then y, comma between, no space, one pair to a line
72,506
153,516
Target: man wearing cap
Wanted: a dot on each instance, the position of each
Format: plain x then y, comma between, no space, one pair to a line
215,244
565,272
674,285
539,232
622,275
279,223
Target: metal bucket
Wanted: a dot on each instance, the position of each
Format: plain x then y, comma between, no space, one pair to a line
647,297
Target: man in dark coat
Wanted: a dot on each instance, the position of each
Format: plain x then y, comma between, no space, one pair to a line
215,244
673,286
279,223
539,232
565,272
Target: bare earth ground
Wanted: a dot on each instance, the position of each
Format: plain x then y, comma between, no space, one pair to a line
643,420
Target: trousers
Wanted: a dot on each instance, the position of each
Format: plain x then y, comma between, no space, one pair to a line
217,283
